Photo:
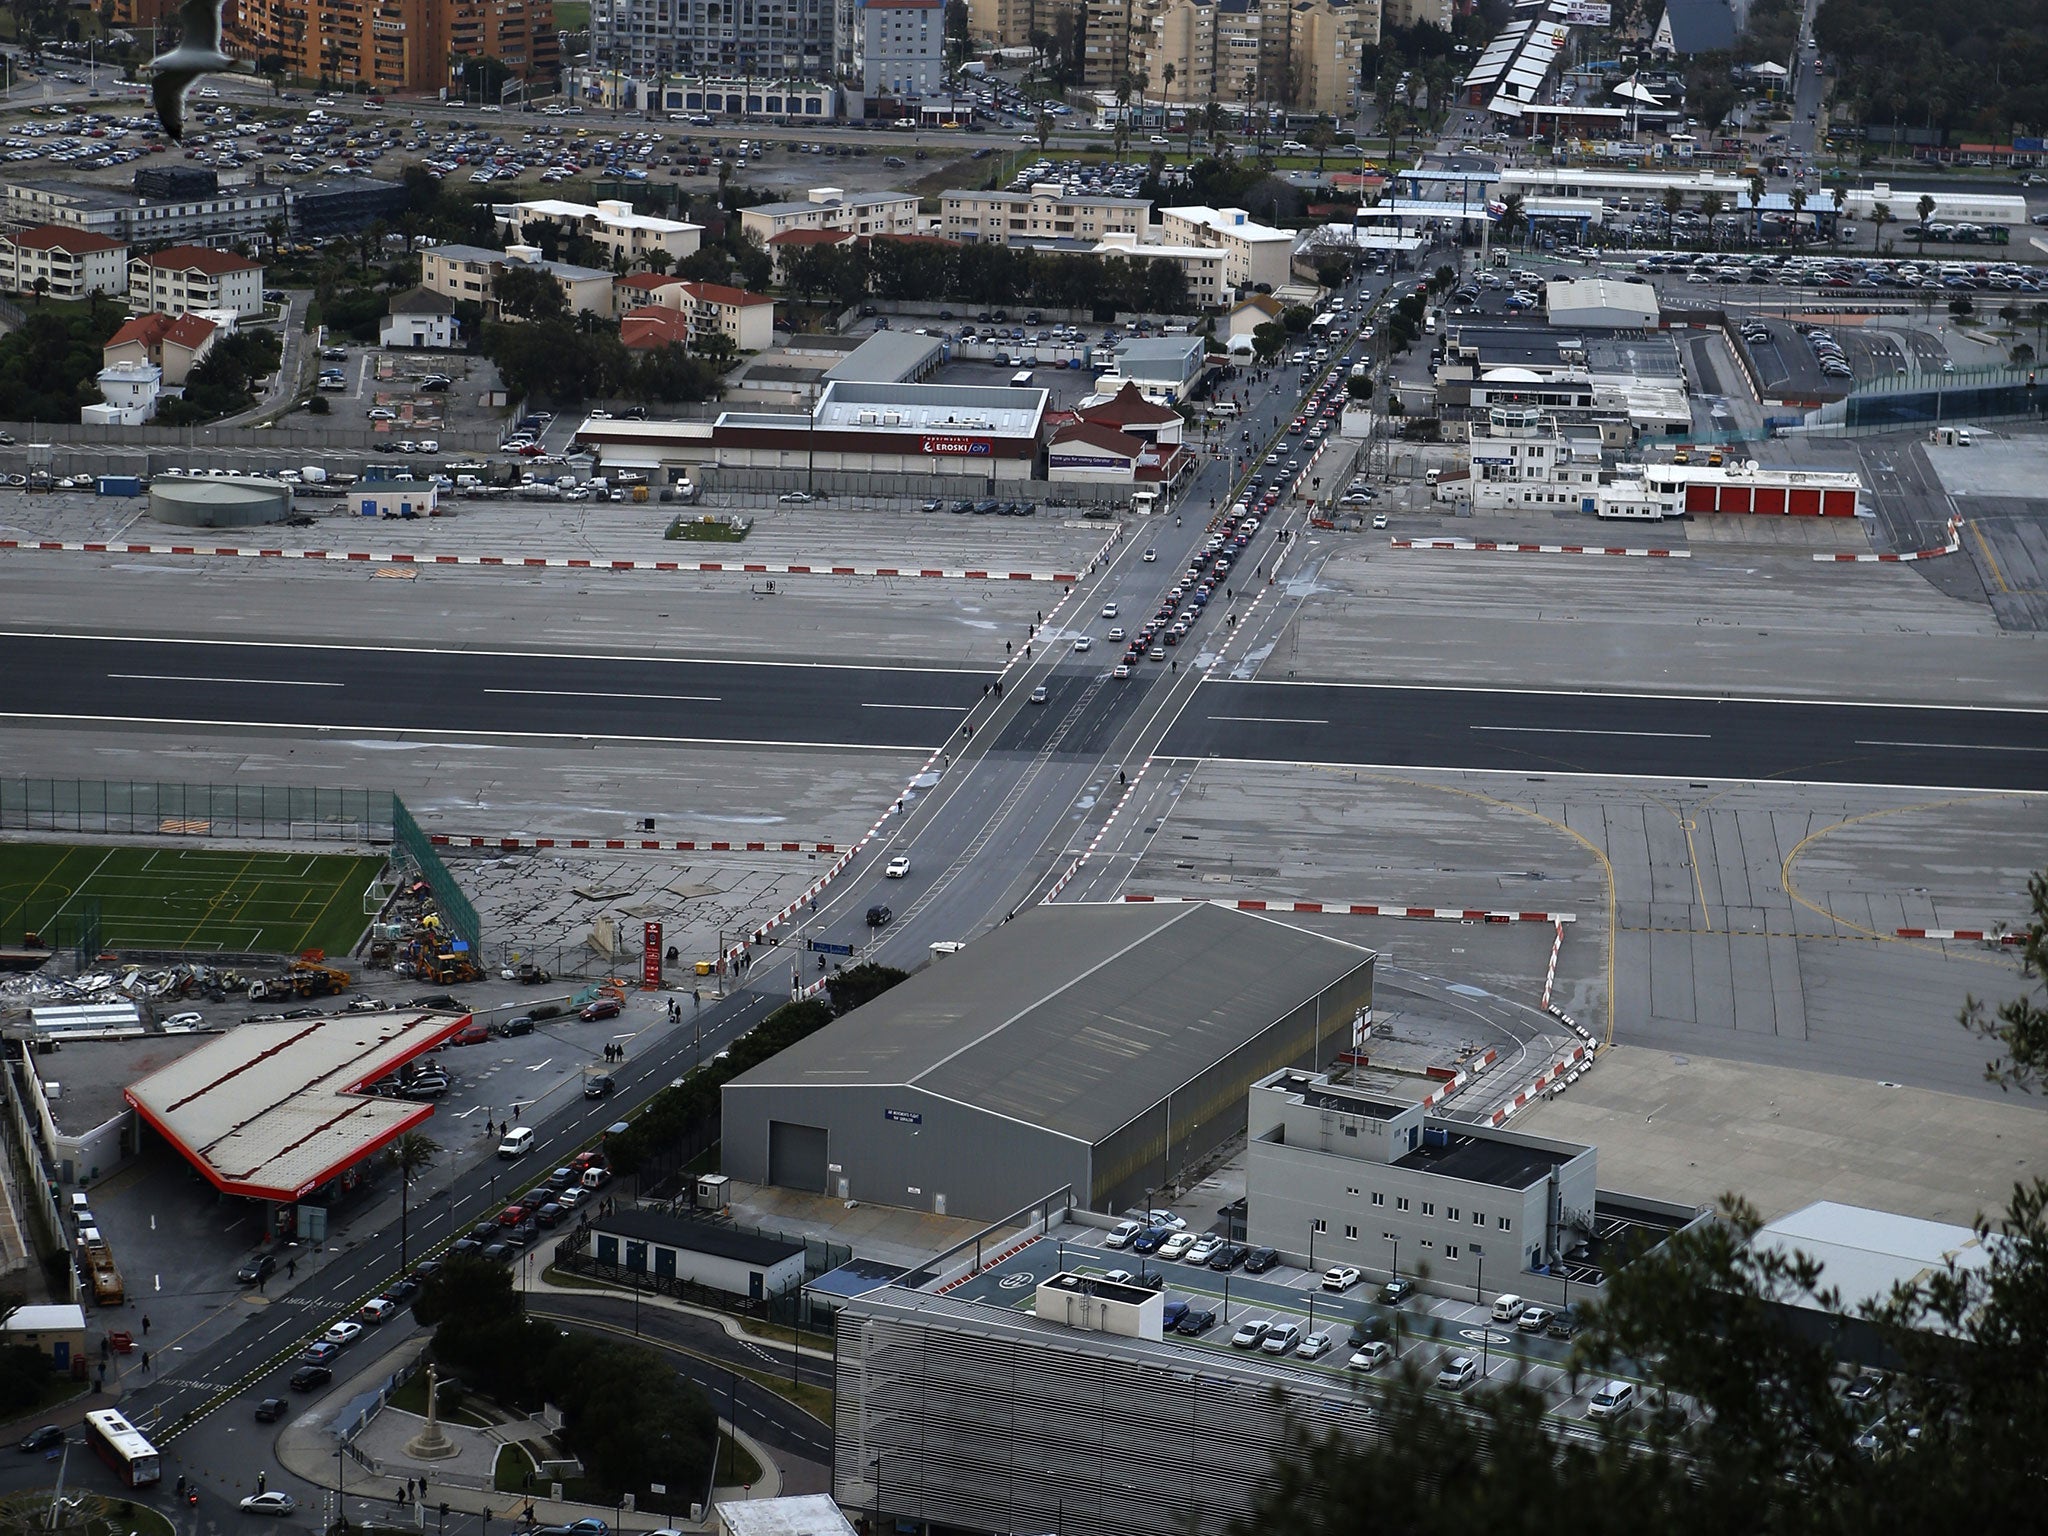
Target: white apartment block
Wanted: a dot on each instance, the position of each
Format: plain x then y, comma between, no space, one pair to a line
612,224
470,272
1046,212
184,278
830,208
746,319
899,47
1204,266
70,263
1255,254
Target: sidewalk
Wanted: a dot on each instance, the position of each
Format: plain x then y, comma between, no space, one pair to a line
541,1285
307,1447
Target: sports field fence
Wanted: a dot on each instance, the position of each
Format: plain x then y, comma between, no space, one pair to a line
135,808
413,848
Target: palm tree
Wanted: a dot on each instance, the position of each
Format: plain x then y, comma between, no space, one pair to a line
659,260
1043,128
42,287
1925,208
1839,197
1797,198
1880,215
1710,205
1756,200
1512,216
412,1154
1674,200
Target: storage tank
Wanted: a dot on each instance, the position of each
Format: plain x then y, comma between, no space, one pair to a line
204,502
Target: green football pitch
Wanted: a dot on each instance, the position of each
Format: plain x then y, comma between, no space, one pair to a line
207,900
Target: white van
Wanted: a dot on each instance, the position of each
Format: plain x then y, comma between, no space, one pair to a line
517,1143
1506,1309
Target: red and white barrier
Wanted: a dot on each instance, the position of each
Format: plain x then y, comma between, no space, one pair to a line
1955,542
1095,842
1368,909
1575,1059
1550,975
1496,547
530,562
1977,935
629,844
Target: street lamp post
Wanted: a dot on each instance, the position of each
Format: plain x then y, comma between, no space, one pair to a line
1485,1322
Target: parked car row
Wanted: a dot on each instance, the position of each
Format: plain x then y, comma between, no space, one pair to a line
1166,1235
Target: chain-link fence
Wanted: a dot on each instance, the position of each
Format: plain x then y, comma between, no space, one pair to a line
126,807
414,847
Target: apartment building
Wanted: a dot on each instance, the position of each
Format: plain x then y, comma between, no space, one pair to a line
1204,266
611,223
134,219
835,210
899,47
1327,40
469,272
399,45
1184,42
69,263
1045,212
767,38
1255,254
1115,42
1242,72
1419,13
746,319
182,278
1013,23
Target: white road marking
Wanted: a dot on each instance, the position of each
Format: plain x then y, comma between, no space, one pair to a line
1951,746
593,693
249,682
1269,719
1561,730
951,709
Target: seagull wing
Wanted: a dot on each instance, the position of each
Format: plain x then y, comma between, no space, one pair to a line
199,21
168,89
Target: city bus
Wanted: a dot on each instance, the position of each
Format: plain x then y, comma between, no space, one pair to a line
123,1447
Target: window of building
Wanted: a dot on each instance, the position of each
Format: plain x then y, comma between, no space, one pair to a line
1450,1250
1450,1213
1352,1233
1378,1198
1427,1243
1429,1207
1504,1225
1322,1225
1400,1202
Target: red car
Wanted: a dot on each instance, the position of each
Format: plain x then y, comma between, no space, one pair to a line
603,1008
512,1215
471,1034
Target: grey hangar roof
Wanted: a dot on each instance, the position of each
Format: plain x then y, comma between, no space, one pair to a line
1075,1019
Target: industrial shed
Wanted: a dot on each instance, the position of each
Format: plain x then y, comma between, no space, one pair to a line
1602,303
1097,1047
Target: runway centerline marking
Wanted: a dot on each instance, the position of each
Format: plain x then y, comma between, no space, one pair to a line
1951,746
951,709
1563,730
1270,719
596,693
247,682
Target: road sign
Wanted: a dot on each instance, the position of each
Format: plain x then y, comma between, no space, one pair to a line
819,946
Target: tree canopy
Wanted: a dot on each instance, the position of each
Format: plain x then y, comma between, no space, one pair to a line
1977,66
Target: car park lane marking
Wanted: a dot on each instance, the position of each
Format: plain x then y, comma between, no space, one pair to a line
244,682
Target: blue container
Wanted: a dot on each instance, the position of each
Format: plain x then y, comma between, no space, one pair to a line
118,485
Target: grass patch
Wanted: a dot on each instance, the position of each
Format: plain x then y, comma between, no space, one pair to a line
572,15
816,1401
189,898
456,1408
736,1464
710,528
95,1515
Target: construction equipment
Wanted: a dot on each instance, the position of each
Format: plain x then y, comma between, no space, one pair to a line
441,958
96,1260
308,977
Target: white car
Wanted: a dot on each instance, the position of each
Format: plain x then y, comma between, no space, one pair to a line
1084,643
1177,1246
1458,1373
343,1334
1120,671
1165,1219
1123,1234
1615,1400
1379,520
271,1503
898,867
1371,1357
184,1021
1039,695
1116,631
1109,610
1341,1278
1314,1347
1205,1248
381,413
1151,555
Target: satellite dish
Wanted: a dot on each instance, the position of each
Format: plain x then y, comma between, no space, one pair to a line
1752,466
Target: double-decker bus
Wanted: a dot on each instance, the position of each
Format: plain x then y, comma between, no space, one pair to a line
123,1447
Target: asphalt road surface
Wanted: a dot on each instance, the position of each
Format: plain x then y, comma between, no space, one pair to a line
480,693
1629,735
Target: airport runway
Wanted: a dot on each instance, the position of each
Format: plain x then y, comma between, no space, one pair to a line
553,696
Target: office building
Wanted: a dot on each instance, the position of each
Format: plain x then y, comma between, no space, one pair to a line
217,218
769,39
811,101
898,47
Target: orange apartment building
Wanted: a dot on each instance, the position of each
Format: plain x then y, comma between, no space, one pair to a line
393,45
